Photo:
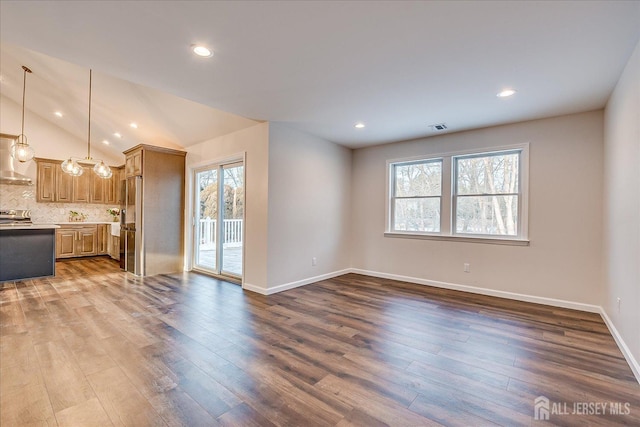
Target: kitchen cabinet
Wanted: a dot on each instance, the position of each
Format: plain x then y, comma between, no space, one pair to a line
112,188
97,191
82,187
77,240
46,176
63,187
114,248
53,185
103,238
133,164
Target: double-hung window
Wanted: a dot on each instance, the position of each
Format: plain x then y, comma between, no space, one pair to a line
416,199
481,195
486,194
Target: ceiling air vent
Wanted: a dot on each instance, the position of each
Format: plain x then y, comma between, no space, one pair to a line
438,127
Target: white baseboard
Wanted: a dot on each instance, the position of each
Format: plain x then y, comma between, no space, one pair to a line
254,288
626,352
483,291
296,284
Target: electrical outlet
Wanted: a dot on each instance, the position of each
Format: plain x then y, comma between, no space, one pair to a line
619,303
314,261
467,267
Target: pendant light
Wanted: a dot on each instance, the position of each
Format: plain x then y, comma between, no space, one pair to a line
100,168
20,150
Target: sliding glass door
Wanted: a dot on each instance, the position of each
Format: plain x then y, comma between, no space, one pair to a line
219,219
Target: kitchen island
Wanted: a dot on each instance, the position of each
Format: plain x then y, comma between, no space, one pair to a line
27,251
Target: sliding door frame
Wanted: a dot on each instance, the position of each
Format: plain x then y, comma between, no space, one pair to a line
218,164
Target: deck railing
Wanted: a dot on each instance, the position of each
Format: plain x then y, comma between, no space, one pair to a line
231,231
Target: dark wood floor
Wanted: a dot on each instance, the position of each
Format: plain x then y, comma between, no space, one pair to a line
95,346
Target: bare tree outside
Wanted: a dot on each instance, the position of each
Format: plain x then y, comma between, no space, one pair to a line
487,190
417,191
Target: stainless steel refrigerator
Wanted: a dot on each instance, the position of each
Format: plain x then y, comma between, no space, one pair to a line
131,258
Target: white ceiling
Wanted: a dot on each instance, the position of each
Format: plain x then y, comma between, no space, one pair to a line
323,66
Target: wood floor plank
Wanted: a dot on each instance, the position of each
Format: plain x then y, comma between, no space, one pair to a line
122,402
89,413
65,381
178,409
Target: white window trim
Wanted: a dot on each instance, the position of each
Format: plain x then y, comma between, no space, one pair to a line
447,233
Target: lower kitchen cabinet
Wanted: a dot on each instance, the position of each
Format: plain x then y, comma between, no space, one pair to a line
114,248
82,240
103,238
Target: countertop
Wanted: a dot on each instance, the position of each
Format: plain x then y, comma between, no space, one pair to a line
39,226
85,222
27,226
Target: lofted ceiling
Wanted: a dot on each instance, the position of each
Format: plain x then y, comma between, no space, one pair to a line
318,66
59,86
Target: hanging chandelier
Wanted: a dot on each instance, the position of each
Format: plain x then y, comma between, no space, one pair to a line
72,165
21,150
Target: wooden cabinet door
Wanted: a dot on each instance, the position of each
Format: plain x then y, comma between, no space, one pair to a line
103,239
64,186
114,249
81,186
97,190
87,241
46,182
133,164
65,242
112,188
122,180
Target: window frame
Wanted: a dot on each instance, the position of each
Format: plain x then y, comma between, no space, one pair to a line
447,198
393,197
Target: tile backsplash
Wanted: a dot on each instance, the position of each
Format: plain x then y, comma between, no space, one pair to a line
24,197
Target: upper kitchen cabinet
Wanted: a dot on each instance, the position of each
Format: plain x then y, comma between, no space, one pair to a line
53,185
46,178
63,186
133,164
111,188
82,187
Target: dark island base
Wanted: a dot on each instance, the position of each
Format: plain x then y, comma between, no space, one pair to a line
27,254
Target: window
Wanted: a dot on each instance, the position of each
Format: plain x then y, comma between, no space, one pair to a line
479,195
486,194
417,189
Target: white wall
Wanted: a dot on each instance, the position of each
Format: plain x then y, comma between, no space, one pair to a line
564,258
48,140
309,205
622,205
254,141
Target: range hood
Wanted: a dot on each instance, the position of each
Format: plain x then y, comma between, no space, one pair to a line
8,175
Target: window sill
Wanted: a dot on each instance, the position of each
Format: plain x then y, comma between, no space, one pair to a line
466,239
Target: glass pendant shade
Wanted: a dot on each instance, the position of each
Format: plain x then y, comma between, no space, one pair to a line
21,151
71,167
102,170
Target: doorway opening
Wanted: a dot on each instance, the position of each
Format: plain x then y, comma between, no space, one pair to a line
219,220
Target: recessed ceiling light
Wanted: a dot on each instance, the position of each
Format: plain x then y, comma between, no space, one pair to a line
105,142
505,93
58,113
202,51
117,135
134,125
359,125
